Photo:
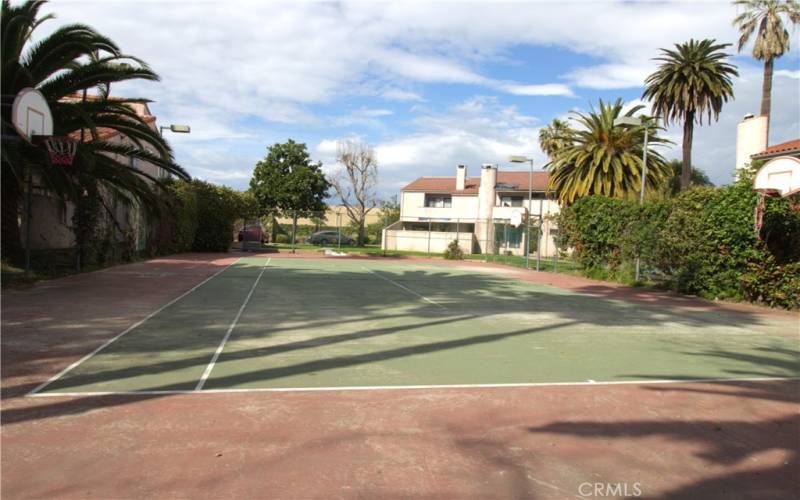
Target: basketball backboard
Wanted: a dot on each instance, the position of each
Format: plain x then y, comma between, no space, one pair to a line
31,114
780,175
516,218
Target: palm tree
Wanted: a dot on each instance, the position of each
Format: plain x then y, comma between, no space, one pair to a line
72,59
554,136
605,159
692,80
772,39
699,178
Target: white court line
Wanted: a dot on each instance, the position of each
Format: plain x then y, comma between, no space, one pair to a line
412,387
426,299
221,346
132,327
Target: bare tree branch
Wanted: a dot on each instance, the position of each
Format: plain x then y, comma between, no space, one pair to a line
355,181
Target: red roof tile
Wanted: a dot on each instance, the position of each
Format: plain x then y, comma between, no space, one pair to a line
103,133
517,179
778,149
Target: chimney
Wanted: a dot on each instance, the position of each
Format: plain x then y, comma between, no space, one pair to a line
751,138
461,177
486,193
486,201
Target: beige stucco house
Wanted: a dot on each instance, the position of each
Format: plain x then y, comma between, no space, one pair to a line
478,212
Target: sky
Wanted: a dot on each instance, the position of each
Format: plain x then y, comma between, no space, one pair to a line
430,85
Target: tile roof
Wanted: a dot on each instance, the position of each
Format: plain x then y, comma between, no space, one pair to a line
517,179
104,133
787,147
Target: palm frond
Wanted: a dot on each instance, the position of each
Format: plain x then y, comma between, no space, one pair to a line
605,159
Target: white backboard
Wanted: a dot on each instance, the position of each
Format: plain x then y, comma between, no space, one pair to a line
516,218
31,115
780,174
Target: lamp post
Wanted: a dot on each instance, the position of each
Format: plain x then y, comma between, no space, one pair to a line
637,121
525,159
178,129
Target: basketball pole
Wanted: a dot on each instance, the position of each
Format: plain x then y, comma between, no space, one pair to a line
28,203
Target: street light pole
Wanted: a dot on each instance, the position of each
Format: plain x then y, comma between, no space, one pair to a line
528,223
638,121
641,193
524,159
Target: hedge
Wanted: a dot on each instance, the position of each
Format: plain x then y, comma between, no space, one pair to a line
700,242
199,216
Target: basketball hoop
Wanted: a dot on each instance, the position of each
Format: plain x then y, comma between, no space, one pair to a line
779,177
61,149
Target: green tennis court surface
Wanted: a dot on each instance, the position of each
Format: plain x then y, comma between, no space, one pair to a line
309,323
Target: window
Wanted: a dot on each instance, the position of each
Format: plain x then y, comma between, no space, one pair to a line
511,201
438,201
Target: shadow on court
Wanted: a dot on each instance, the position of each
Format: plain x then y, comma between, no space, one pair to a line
763,450
181,339
523,442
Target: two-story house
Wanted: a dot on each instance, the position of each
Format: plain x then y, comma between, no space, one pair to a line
481,213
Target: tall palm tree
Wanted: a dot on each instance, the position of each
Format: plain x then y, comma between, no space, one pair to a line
772,37
70,60
605,159
692,81
673,187
554,136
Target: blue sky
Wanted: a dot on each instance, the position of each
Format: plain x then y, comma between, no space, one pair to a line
430,85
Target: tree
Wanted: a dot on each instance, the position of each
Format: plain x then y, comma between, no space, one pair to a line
555,136
692,81
355,182
699,178
286,181
771,40
604,158
388,214
74,58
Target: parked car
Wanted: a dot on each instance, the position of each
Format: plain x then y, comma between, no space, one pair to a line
329,238
252,232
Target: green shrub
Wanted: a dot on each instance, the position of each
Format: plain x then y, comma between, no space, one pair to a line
217,211
771,283
283,238
701,242
453,251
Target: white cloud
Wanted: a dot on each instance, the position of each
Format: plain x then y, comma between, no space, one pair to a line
402,95
271,63
788,73
611,76
548,89
476,131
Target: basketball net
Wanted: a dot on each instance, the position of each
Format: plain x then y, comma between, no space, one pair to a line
763,194
759,214
61,149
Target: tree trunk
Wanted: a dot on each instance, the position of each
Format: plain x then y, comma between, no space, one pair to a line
294,228
766,92
274,230
686,168
361,232
11,193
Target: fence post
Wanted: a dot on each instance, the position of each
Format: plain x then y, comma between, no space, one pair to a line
430,222
294,228
539,234
339,229
486,241
28,204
